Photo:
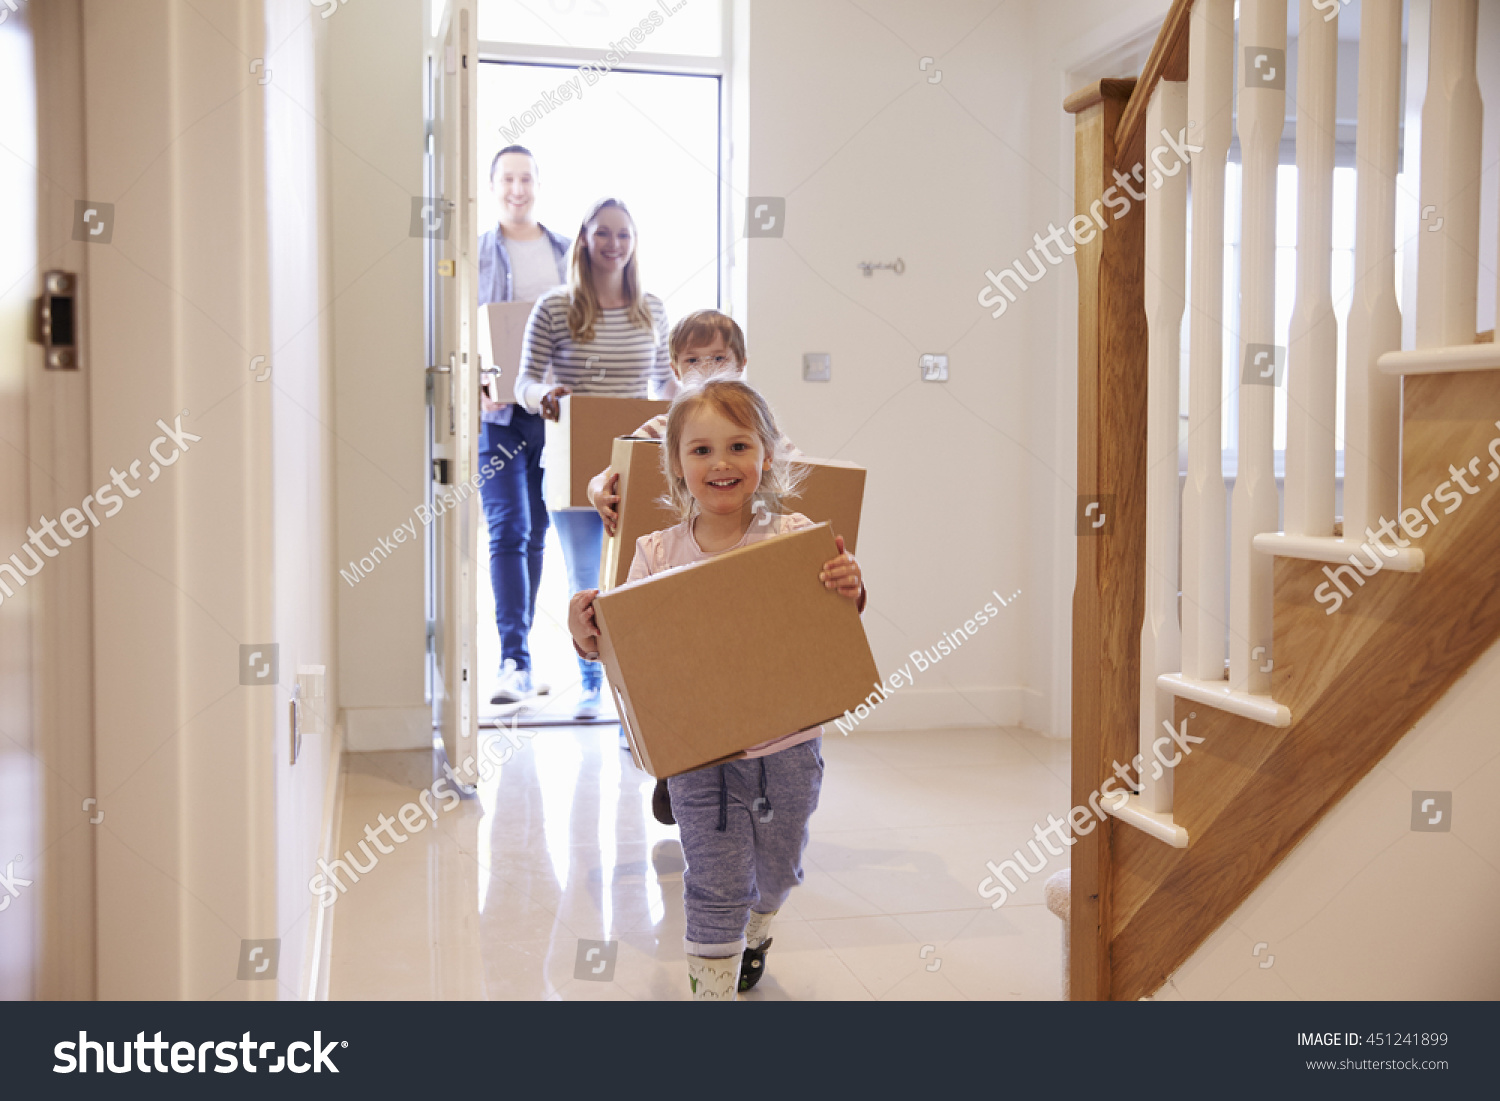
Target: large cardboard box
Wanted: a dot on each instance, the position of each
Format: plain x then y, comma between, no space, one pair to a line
709,660
502,328
833,491
640,511
579,442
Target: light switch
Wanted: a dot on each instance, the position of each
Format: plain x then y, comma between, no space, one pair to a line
817,367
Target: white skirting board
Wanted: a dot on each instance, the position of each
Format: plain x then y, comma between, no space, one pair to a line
372,729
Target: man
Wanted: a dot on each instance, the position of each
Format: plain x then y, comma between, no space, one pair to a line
519,260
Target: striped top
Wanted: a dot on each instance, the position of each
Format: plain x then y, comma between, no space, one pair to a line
621,361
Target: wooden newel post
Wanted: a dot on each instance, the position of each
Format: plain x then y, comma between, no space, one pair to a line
1109,597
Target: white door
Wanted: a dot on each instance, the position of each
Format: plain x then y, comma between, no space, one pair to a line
449,212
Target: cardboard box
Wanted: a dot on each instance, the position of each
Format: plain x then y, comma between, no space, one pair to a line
502,329
642,484
579,442
706,661
833,491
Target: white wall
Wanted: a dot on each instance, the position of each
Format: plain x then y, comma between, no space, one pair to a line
302,453
374,126
876,162
210,833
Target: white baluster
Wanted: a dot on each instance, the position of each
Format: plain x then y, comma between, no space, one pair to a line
1312,358
1262,115
1448,233
1166,275
1372,398
1210,107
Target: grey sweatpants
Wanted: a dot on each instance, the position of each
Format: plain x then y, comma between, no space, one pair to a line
763,805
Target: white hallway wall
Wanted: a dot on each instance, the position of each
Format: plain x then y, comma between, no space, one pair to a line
877,160
973,483
216,258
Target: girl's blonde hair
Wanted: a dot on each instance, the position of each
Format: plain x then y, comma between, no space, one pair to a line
729,395
583,303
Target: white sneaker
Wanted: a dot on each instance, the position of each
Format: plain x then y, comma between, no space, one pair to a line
588,704
513,685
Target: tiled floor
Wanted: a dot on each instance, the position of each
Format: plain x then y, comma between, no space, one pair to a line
560,846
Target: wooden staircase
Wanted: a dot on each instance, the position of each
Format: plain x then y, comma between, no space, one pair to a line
1355,682
1287,727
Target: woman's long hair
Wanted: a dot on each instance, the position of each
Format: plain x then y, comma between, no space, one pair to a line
583,303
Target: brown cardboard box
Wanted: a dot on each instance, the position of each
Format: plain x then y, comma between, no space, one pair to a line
833,491
749,646
579,442
502,325
642,484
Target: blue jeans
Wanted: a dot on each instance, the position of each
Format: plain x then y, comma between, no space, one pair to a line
581,532
517,519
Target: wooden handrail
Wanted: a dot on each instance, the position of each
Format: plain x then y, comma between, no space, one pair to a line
1168,61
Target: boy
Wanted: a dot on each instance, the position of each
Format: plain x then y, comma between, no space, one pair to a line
699,344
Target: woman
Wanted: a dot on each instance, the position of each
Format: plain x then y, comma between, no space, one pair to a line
519,260
601,334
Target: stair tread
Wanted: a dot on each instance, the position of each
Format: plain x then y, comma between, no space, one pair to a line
1217,693
1332,548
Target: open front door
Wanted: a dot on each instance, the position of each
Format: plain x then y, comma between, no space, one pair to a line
448,214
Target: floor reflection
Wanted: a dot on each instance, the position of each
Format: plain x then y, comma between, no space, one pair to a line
557,851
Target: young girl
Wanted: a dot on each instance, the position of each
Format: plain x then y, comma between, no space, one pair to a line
601,334
703,343
743,823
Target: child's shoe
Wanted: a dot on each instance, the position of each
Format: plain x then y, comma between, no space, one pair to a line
661,804
757,944
712,980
